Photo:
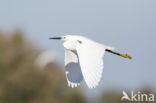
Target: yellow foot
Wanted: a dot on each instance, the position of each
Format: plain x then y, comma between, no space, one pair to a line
126,56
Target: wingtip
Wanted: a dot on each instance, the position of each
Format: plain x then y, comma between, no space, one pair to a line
73,85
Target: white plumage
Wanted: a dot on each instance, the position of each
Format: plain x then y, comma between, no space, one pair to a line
83,60
91,62
72,68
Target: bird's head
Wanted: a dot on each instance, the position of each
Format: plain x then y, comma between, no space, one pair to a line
64,38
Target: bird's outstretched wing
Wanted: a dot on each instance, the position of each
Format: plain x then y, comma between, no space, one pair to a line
91,62
72,69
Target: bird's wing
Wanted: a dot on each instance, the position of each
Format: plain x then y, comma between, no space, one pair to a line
72,69
91,62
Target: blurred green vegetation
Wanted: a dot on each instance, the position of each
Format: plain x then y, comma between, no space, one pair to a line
22,82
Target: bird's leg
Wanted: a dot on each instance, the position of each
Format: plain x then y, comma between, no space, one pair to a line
119,54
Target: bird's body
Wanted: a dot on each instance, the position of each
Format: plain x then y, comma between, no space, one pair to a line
72,42
84,60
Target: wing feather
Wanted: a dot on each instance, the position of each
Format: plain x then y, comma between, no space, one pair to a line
91,62
72,68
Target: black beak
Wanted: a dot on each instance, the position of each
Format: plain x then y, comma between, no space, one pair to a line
55,38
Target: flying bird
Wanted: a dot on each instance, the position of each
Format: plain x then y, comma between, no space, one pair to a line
84,59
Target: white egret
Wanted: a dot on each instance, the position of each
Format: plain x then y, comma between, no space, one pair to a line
84,60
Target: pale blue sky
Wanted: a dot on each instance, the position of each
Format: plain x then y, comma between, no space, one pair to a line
129,25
